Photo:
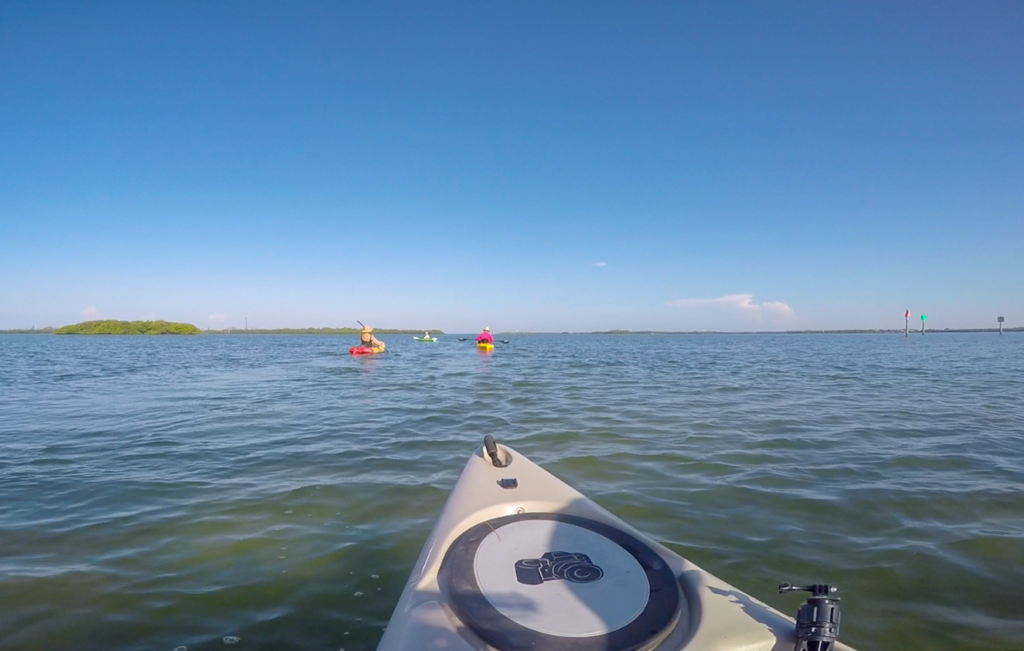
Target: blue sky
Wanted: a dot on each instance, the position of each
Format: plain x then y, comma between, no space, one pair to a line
527,165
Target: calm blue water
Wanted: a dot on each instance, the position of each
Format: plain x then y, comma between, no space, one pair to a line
159,492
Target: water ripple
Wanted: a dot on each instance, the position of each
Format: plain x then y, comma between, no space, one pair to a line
168,492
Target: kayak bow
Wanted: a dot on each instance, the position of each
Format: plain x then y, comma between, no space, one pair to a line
520,560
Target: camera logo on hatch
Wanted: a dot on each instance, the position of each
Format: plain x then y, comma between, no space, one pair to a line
575,568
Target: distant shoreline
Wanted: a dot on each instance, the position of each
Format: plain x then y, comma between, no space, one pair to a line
49,330
115,327
789,332
319,331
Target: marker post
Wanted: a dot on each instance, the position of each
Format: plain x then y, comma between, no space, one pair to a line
923,317
1000,320
906,324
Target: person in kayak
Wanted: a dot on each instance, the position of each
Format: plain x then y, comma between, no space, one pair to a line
426,335
367,339
485,337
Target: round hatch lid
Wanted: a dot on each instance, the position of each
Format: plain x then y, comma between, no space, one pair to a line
556,581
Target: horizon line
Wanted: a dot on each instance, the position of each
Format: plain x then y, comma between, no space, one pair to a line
616,331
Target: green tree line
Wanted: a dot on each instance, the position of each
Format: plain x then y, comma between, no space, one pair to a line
320,331
110,327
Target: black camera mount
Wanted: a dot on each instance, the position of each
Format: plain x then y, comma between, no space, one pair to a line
817,621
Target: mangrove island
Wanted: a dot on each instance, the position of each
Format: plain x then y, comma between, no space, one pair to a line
110,327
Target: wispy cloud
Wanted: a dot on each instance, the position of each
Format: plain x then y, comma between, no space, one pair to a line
217,317
90,313
600,264
744,303
777,309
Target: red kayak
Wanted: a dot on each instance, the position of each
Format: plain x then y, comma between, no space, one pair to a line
364,350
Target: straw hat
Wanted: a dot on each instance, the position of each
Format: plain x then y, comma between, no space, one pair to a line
486,329
367,328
